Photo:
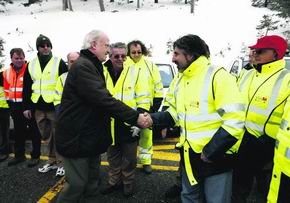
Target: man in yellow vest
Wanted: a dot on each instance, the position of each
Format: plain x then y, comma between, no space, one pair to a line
39,86
265,90
4,123
137,53
205,102
125,83
71,58
280,182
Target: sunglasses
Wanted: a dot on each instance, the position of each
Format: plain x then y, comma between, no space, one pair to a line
136,52
260,51
117,56
44,45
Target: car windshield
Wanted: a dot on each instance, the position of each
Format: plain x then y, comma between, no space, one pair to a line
165,73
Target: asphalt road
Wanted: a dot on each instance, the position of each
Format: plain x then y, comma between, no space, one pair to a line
20,184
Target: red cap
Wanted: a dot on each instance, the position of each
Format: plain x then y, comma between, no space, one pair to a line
275,42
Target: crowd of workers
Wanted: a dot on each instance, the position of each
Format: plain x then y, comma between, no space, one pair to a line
231,131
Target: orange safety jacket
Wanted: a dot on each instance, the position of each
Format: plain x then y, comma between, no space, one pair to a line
13,83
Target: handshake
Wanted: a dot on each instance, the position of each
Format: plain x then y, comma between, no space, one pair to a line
144,120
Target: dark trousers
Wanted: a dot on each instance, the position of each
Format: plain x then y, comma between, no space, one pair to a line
82,179
254,160
4,130
22,128
122,160
284,194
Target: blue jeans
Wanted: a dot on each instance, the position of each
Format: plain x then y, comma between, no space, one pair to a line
213,189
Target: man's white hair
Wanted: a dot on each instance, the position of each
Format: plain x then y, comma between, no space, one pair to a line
94,35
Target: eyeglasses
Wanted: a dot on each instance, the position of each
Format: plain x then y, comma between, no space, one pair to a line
136,52
117,56
44,45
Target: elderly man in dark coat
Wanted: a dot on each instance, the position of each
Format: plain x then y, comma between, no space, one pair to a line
83,124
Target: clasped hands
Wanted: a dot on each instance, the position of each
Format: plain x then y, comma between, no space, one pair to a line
144,120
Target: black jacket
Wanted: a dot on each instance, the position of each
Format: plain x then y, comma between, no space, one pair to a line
83,123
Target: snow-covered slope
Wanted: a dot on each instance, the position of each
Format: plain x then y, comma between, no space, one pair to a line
225,24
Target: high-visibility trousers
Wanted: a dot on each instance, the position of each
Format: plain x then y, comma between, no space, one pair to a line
146,146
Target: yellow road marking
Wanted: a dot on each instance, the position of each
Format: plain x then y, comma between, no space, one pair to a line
166,140
52,192
50,195
168,156
160,155
156,167
163,147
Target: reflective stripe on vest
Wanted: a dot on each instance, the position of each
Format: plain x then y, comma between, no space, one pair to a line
287,153
131,96
245,78
271,105
284,124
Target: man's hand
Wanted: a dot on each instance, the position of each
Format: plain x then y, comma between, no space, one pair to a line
27,114
144,120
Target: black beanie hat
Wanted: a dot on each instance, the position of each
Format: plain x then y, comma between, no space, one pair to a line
41,40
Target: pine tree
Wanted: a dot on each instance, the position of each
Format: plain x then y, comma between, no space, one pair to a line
169,46
1,51
282,6
267,24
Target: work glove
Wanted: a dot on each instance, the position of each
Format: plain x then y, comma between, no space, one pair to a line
135,131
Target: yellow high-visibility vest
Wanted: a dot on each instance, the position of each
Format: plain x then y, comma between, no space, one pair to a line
265,94
152,75
3,102
59,88
282,156
129,88
203,99
44,81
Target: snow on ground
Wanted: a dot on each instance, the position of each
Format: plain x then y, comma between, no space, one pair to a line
222,24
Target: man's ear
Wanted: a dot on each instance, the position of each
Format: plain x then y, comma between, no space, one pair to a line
94,44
